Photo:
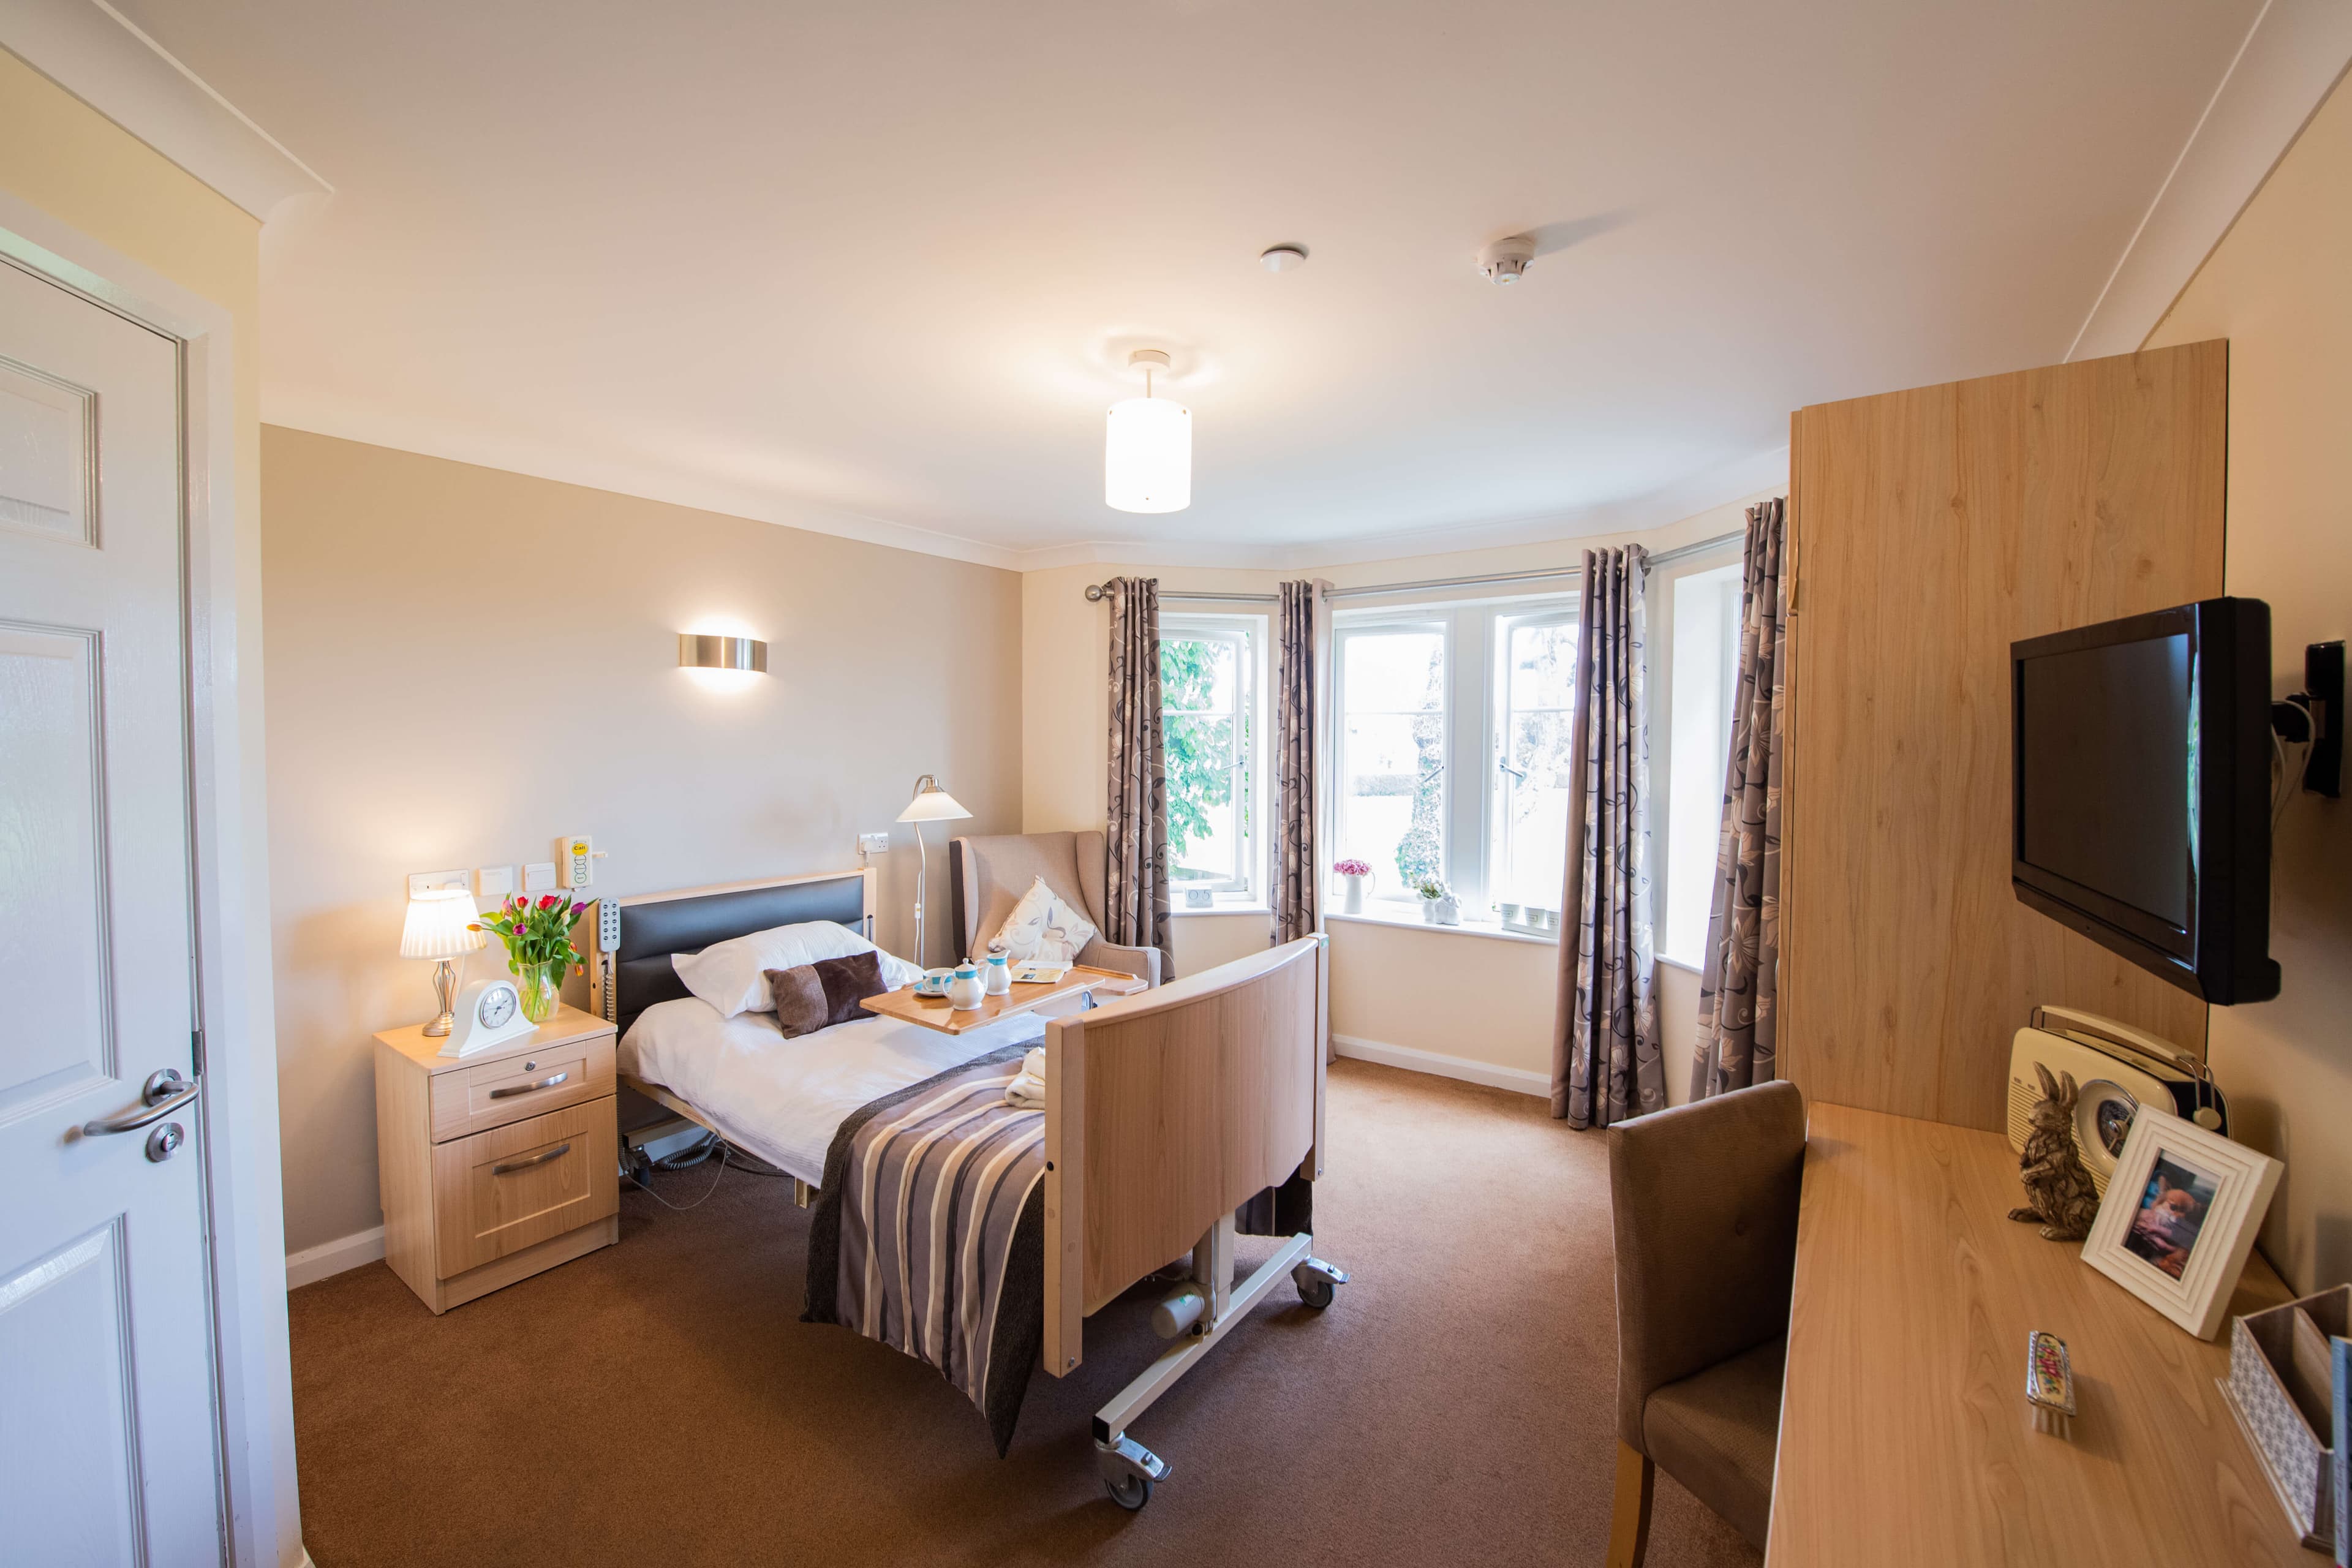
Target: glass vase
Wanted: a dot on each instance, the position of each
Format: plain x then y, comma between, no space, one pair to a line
541,987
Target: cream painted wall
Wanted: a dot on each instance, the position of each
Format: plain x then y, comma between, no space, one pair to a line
1479,1000
60,156
465,663
2276,286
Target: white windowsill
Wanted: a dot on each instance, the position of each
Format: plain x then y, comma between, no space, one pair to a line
1410,918
1224,909
1671,962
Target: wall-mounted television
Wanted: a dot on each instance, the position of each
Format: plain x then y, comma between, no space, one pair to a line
2140,805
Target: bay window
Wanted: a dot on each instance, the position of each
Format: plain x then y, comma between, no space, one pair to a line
1211,735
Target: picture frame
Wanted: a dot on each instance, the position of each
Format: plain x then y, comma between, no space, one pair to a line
2180,1218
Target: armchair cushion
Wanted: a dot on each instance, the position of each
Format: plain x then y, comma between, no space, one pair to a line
1143,962
1704,1197
1041,926
1717,1433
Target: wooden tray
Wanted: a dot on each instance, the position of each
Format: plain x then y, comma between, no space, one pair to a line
935,1013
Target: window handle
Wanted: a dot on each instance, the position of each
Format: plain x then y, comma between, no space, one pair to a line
1515,772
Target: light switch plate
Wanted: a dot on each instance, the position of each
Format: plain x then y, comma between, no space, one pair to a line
874,844
425,881
538,877
492,883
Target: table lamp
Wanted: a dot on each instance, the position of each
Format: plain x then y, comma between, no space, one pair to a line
439,926
932,804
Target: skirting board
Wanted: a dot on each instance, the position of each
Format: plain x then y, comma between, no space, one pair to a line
1518,1080
315,1263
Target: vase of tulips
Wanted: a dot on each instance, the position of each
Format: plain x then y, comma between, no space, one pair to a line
538,937
1356,873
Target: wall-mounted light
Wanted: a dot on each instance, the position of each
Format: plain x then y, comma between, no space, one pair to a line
699,651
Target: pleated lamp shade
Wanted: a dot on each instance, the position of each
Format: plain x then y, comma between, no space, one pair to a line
437,919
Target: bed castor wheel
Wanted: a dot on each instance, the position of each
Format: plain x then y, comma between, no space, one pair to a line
1317,1282
1128,1470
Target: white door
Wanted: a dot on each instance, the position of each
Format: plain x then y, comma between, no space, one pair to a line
108,1453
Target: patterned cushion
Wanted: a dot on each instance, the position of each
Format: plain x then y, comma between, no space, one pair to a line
1043,928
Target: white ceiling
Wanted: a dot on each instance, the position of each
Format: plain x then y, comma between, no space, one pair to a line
871,266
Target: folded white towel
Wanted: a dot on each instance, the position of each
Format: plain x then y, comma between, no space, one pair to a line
1028,1090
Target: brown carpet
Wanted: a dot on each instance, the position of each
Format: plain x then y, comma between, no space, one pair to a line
660,1402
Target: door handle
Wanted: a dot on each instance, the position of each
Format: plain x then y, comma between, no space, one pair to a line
165,1092
549,1081
511,1166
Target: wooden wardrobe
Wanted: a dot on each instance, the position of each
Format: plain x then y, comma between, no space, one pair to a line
1933,528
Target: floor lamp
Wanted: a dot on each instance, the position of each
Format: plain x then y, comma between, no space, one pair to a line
932,804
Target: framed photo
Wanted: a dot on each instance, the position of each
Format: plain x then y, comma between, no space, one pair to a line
2179,1216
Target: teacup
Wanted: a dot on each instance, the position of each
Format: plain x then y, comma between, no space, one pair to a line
934,983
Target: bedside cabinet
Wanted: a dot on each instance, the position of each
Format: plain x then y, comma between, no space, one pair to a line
498,1165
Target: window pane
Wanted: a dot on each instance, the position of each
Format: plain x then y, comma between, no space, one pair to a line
1197,675
1203,822
1543,666
1392,757
1396,672
1532,782
1706,678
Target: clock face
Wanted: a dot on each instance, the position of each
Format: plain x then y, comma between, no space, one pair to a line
497,1006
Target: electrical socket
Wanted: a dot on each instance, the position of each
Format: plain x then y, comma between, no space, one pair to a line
874,844
538,877
425,881
492,883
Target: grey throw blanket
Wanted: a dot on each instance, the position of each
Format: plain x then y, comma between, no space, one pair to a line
929,1231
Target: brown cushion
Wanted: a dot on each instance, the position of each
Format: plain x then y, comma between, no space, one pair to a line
848,982
1717,1433
800,1000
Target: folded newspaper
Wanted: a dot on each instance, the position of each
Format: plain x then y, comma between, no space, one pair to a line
1037,973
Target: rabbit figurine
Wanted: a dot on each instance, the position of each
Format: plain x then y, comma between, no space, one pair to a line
2064,1202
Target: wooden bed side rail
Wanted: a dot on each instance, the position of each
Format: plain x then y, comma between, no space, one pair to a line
1168,1109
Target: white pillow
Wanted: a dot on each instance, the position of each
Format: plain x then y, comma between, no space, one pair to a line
1042,928
732,976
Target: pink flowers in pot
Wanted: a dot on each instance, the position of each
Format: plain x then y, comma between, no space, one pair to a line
536,932
1352,868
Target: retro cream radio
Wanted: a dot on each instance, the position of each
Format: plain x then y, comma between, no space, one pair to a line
2116,1069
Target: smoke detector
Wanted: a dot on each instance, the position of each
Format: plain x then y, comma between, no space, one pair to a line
1506,260
1283,257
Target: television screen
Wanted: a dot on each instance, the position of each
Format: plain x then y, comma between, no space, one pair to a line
2106,738
2141,790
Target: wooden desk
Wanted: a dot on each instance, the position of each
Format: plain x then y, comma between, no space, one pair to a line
1904,1436
934,1013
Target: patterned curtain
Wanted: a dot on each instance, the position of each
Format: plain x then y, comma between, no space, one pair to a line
1606,1064
1135,884
1738,1013
1297,878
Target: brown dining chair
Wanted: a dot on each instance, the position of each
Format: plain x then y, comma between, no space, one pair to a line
1705,1200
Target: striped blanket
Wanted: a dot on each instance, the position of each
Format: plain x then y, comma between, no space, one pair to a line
929,1232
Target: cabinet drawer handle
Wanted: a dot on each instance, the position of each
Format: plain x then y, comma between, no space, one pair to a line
549,1081
511,1166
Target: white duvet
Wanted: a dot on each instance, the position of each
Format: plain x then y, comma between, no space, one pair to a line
783,1099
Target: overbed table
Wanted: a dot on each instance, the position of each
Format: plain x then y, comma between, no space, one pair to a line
1904,1435
935,1013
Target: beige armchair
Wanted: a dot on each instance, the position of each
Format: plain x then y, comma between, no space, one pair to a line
1704,1197
986,876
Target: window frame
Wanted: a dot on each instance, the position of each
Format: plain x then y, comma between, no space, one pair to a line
1501,624
1345,628
1248,886
1473,630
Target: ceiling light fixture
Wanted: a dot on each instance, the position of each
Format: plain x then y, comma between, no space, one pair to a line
1283,257
1147,447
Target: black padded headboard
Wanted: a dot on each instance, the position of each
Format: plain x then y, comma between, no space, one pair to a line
650,933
